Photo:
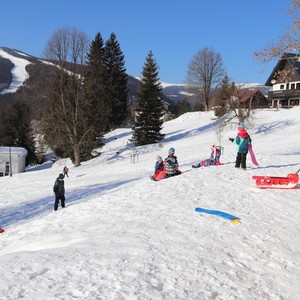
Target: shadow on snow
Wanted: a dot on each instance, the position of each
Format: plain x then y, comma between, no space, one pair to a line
26,211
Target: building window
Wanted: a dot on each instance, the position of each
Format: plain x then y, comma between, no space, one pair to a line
282,86
287,86
292,86
6,168
298,86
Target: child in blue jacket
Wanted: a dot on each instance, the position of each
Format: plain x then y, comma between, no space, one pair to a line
242,140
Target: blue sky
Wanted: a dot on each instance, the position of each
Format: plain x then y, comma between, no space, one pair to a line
174,30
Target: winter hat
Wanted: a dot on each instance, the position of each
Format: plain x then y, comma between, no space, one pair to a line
61,176
159,158
171,151
241,127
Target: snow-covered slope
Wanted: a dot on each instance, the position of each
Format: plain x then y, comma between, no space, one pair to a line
123,236
19,74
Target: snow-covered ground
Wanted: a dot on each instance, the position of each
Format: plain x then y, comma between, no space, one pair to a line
123,236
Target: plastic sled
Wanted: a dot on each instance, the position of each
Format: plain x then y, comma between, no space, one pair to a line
289,182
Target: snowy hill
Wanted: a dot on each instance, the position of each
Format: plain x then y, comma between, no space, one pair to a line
123,236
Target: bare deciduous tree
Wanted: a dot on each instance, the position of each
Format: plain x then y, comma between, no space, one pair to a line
289,41
66,121
204,74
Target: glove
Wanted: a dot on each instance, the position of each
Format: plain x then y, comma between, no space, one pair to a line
231,140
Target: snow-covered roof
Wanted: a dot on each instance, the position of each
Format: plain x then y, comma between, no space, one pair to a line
13,150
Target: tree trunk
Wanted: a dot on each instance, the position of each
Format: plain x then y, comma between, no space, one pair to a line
76,157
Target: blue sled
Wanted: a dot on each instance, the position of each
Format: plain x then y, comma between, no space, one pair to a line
217,213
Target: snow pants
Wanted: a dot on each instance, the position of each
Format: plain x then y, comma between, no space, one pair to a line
62,200
241,160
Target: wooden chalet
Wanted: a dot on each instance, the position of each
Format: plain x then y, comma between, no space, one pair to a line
285,82
252,98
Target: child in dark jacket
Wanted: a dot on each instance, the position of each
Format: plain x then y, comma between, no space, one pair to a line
171,164
242,140
59,191
213,160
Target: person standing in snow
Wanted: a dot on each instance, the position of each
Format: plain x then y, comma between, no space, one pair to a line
59,191
66,170
171,164
213,160
242,140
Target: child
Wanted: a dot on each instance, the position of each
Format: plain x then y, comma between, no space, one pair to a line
213,160
66,170
171,164
159,167
242,140
59,191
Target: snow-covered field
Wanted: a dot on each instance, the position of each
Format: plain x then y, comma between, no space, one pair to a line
123,236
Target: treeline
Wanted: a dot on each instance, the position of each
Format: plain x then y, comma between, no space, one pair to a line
16,130
86,97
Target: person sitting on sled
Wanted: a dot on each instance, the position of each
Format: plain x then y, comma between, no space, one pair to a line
159,167
213,160
242,140
171,164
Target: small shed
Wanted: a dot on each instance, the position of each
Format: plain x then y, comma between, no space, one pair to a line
12,160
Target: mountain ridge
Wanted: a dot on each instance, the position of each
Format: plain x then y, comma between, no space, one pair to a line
36,75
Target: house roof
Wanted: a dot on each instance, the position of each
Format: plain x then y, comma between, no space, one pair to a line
245,95
13,150
287,58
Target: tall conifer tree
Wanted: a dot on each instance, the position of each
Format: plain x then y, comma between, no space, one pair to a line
23,131
116,79
149,107
222,98
95,85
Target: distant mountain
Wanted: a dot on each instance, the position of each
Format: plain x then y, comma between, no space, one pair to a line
24,77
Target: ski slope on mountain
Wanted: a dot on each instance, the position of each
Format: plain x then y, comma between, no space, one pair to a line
18,72
123,236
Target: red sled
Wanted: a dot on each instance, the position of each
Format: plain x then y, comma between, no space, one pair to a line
1,230
289,182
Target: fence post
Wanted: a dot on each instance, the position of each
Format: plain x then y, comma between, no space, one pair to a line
134,156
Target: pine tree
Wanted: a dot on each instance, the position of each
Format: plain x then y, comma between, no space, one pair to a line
23,131
6,129
95,85
116,81
149,107
16,130
222,98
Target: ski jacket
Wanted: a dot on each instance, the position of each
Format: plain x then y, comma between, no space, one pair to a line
243,140
215,156
171,164
158,166
59,187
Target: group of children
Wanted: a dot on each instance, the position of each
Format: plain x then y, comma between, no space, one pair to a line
169,167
